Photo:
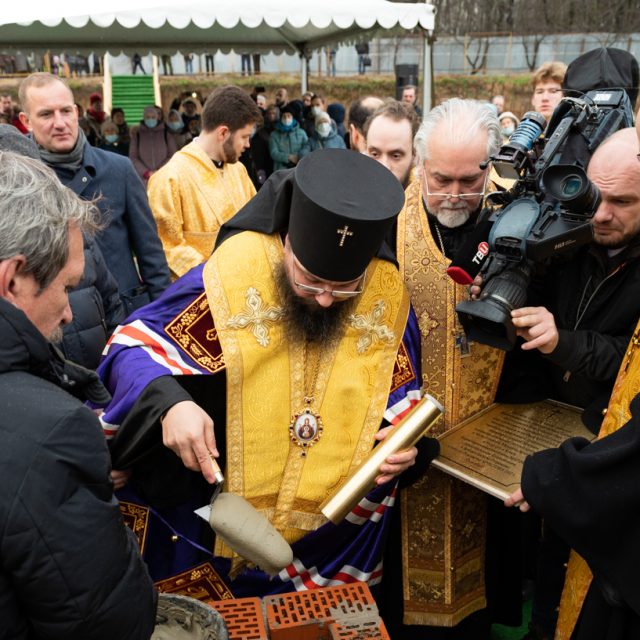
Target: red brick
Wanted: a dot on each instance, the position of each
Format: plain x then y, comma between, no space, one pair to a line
296,616
244,618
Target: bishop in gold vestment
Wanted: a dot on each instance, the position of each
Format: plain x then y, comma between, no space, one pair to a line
299,410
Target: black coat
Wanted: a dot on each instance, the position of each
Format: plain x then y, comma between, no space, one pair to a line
97,310
69,568
130,228
596,306
590,495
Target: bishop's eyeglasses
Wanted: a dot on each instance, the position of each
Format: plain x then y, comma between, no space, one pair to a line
338,294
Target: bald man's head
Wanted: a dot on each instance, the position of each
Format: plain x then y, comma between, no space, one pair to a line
620,148
615,170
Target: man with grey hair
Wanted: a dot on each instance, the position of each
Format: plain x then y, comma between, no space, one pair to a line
453,144
69,568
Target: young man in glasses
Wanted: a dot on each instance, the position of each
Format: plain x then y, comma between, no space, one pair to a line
439,215
302,316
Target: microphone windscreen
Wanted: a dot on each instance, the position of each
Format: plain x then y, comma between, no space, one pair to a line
468,261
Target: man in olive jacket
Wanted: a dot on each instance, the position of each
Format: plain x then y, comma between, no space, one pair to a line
69,568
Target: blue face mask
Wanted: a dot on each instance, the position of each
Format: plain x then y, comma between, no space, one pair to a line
287,127
111,138
175,126
150,122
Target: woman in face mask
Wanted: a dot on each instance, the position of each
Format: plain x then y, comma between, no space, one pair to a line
508,124
286,141
151,144
110,139
324,136
176,128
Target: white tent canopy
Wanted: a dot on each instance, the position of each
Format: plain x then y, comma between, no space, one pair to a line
243,25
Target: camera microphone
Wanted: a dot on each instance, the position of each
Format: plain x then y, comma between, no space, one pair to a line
473,252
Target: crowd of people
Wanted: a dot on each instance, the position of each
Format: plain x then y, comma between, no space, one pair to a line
263,283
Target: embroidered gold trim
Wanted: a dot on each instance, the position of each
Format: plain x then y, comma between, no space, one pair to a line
258,316
201,582
182,329
403,371
136,517
371,328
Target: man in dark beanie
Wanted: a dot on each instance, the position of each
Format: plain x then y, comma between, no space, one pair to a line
292,348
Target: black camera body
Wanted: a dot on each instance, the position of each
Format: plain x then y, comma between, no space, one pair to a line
548,210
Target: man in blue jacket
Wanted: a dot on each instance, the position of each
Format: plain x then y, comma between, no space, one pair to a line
129,241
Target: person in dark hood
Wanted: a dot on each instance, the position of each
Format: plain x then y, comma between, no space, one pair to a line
336,112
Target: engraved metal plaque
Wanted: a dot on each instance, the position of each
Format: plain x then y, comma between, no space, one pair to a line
489,449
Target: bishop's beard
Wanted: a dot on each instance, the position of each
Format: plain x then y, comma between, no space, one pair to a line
306,319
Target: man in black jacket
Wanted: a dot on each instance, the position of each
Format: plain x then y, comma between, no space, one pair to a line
582,332
69,568
591,304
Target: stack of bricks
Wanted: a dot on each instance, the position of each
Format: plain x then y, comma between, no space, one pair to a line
346,612
244,618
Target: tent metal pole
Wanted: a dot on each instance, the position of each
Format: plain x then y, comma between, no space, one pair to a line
107,93
426,73
303,71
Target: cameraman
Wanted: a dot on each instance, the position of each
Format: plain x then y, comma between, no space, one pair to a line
574,341
588,306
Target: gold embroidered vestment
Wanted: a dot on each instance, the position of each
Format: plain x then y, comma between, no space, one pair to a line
190,199
443,519
265,369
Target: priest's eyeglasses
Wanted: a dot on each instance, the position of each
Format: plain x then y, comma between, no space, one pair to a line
338,294
463,196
